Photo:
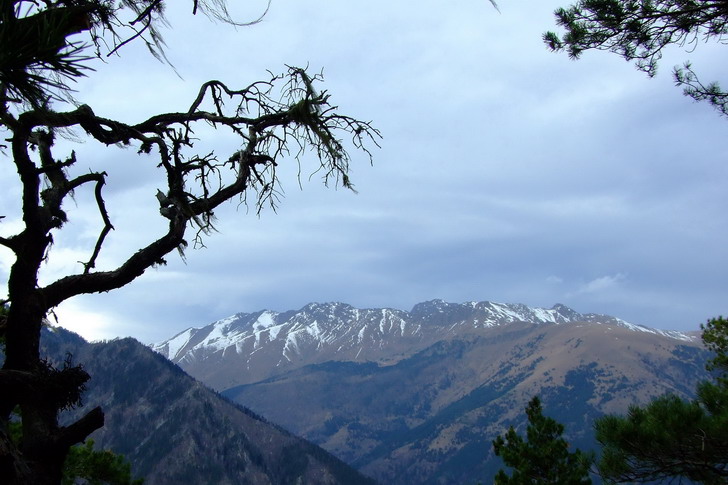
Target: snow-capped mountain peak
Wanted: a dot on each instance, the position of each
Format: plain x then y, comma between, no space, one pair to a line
321,332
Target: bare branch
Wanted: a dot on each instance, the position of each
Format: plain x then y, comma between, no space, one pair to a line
266,116
7,242
81,429
97,282
147,25
100,181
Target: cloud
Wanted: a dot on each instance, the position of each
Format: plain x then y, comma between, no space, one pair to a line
506,173
92,325
602,284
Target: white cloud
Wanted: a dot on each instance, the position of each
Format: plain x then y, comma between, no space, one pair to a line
601,284
92,325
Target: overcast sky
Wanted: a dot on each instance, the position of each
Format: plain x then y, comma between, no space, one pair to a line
506,173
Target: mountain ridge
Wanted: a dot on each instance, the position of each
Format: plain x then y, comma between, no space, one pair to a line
266,342
173,429
418,396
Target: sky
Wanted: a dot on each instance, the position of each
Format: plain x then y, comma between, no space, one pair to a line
506,173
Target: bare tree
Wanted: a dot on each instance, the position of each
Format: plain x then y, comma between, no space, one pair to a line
276,121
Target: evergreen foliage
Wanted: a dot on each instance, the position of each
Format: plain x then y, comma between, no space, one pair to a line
543,457
671,437
97,467
94,467
715,338
82,462
639,31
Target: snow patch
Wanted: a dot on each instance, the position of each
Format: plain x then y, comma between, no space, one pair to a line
664,333
218,338
265,320
175,344
274,331
545,316
314,330
225,322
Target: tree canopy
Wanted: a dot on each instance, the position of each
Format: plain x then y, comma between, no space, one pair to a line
47,45
543,457
640,30
40,53
671,437
715,338
97,467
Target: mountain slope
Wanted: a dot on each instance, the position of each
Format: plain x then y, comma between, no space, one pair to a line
174,430
249,347
430,417
416,397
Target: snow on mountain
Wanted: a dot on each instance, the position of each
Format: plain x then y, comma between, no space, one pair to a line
257,342
328,323
665,333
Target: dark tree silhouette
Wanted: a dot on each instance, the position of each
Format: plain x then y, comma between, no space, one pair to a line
276,121
542,458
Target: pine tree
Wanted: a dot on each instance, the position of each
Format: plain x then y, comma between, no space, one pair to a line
672,437
639,31
543,457
96,467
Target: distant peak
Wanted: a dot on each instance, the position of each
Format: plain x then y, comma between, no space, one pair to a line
565,311
427,307
339,330
560,307
328,306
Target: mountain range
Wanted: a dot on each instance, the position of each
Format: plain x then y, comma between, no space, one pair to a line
417,397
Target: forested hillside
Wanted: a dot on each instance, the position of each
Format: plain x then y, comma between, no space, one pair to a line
174,430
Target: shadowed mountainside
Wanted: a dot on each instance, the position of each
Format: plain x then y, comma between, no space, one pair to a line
175,430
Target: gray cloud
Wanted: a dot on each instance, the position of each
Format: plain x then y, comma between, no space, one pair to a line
507,173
